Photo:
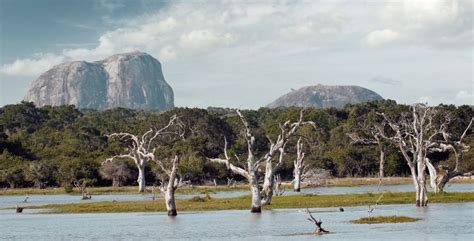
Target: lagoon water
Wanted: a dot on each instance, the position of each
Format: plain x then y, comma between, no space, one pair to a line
439,222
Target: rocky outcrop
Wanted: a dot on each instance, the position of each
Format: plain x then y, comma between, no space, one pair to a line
324,96
131,80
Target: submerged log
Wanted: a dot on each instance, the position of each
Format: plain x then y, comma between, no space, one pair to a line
19,209
317,223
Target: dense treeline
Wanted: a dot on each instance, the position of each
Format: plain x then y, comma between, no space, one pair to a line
55,146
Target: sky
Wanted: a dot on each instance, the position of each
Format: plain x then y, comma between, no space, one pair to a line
245,54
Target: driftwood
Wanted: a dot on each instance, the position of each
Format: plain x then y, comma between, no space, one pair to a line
317,223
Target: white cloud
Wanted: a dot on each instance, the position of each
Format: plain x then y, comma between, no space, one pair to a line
185,28
385,80
460,98
435,23
111,5
167,53
204,39
379,37
31,66
209,48
464,97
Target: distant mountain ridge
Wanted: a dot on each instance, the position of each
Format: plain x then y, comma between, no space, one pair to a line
325,96
130,80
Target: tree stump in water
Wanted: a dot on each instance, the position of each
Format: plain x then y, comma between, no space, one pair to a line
19,209
317,222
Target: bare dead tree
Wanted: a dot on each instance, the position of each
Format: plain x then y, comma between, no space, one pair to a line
372,208
317,223
287,130
440,175
371,134
299,166
141,149
153,192
278,190
82,186
414,134
250,172
230,182
118,172
170,184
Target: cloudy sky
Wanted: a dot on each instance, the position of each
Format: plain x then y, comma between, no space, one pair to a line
247,53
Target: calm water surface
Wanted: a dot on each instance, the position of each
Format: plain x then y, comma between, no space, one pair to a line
439,222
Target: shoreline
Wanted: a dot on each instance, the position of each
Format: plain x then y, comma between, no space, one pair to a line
243,203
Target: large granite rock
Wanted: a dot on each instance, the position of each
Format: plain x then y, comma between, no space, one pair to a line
131,80
324,96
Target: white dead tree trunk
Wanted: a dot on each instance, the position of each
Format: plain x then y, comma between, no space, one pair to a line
140,149
439,174
287,130
299,166
278,186
250,172
414,135
169,187
230,182
371,134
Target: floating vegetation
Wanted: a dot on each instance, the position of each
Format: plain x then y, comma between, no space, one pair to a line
385,219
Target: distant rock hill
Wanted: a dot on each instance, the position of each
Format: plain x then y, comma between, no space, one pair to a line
325,96
131,80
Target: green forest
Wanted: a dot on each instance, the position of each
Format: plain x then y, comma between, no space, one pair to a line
55,146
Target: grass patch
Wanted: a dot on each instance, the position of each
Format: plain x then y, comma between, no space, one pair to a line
243,203
385,219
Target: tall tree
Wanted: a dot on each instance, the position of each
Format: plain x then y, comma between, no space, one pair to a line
287,130
371,133
170,182
299,166
414,132
141,148
250,171
441,174
118,172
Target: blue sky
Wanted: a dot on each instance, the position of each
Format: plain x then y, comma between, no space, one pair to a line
247,53
41,26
